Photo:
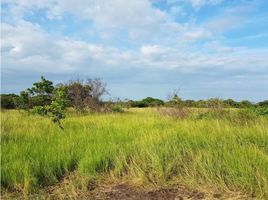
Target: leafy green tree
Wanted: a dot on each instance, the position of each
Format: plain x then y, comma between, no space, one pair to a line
45,99
41,93
56,110
148,101
153,101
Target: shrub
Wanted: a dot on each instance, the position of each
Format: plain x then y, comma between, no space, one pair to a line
189,103
22,101
245,104
117,108
7,101
138,104
263,103
152,101
147,102
261,111
230,103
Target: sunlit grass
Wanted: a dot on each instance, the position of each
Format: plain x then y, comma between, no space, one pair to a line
139,143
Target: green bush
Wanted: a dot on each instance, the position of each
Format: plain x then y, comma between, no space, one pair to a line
147,102
7,101
117,108
263,103
261,111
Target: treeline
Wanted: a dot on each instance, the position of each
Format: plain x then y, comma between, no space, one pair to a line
13,101
209,103
86,95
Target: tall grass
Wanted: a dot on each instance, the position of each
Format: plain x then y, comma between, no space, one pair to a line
140,144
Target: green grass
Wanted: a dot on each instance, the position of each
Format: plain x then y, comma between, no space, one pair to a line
141,144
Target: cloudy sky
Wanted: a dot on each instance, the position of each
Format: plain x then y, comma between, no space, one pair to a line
208,48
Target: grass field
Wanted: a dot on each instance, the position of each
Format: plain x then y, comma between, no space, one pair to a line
219,152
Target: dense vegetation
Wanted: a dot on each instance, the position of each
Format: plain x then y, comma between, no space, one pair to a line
219,149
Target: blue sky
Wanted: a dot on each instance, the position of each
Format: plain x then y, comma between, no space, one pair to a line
140,48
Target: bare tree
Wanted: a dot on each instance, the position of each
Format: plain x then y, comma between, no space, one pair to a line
174,94
97,90
174,99
86,94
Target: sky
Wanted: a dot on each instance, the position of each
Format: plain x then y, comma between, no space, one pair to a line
140,48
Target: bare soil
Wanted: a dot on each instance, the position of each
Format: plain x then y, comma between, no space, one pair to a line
128,192
107,189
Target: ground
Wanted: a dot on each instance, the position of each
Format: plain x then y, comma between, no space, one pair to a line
108,188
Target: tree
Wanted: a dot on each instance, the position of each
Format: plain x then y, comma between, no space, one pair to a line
77,93
263,103
97,90
8,101
231,103
41,93
56,110
174,99
245,104
22,101
153,101
45,100
87,94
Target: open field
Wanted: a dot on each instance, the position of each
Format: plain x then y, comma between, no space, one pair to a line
140,146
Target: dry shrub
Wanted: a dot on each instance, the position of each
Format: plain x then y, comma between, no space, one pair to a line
178,113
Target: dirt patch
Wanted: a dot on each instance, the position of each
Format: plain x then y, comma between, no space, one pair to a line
78,187
128,192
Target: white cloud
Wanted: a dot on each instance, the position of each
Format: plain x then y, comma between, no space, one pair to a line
138,17
152,50
198,34
26,47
